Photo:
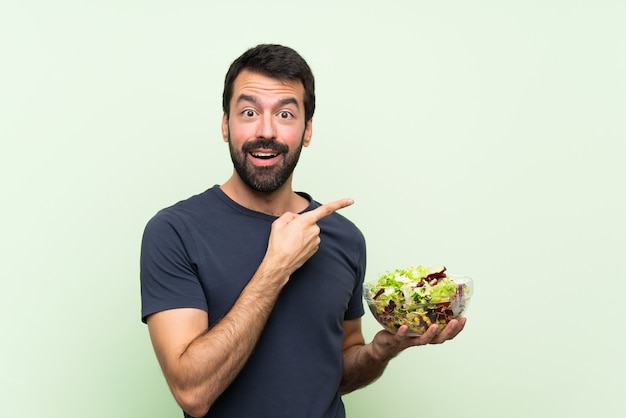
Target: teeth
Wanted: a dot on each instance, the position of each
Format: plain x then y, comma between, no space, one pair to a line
263,154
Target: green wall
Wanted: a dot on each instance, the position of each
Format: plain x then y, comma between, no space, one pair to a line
484,135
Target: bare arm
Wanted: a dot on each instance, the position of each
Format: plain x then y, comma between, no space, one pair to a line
200,363
364,363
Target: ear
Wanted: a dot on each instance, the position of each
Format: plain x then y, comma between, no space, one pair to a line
308,132
225,127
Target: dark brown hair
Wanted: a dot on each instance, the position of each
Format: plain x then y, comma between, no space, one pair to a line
275,61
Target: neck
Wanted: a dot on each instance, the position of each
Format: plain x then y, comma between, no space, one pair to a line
274,203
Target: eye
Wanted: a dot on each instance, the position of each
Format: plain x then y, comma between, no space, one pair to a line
248,113
284,114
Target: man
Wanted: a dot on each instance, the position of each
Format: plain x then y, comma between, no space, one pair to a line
251,291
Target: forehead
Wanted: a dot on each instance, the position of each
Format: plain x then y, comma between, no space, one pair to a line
262,86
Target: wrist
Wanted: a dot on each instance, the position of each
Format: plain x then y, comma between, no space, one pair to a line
383,348
377,353
271,274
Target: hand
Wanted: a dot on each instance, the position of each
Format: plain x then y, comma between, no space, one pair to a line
294,238
388,345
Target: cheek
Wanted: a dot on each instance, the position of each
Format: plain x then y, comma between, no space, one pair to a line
240,133
293,134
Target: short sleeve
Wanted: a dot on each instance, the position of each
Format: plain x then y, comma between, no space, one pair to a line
355,306
167,275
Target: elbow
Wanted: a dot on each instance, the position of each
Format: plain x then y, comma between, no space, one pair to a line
344,390
347,387
192,402
199,413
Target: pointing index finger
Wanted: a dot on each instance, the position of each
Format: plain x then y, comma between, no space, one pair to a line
328,208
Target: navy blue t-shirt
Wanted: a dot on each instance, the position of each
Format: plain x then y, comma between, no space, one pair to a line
201,252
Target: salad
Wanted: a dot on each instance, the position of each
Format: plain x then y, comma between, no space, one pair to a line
418,297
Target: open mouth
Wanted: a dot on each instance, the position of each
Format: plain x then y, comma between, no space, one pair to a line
265,155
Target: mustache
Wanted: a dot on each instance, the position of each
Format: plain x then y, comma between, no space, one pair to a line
269,144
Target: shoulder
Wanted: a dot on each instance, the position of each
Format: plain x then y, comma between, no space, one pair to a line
190,207
177,218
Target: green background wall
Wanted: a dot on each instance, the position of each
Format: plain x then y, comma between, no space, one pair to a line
484,135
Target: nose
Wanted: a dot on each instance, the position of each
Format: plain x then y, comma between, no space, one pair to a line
265,127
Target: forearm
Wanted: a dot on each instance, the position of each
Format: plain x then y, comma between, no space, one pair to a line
200,363
364,363
361,367
211,361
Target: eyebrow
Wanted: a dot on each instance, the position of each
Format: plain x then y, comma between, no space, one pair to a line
252,99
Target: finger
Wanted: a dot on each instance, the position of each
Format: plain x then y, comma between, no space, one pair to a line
327,208
457,328
429,335
426,338
451,330
402,331
286,217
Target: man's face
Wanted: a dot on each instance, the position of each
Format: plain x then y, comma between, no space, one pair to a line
265,130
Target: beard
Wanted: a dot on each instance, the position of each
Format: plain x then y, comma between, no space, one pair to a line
269,178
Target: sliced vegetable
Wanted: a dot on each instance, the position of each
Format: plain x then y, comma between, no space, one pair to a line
417,296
